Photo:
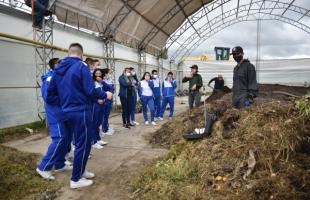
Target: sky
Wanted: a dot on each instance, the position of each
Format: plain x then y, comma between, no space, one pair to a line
278,40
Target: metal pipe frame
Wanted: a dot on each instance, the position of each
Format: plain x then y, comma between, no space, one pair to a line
42,56
228,24
253,6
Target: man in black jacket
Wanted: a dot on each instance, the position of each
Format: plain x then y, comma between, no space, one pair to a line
219,83
195,83
245,86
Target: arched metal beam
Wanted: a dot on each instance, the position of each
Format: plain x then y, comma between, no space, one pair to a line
220,27
243,9
164,20
216,5
119,17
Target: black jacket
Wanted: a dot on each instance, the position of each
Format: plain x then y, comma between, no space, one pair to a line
219,84
244,82
196,79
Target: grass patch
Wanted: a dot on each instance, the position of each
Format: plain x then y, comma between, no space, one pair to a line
7,134
18,178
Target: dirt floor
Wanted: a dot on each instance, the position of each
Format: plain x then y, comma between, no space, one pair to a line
261,152
127,153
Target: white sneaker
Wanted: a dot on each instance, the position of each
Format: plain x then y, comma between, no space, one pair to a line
45,174
109,132
153,123
88,174
135,123
146,123
101,142
161,119
65,168
81,183
156,119
97,146
170,118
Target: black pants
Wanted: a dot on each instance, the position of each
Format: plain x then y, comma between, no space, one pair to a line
194,97
126,109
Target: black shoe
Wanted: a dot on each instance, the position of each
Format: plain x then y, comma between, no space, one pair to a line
130,124
126,126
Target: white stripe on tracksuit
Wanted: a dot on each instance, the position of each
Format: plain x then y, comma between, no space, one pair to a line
55,148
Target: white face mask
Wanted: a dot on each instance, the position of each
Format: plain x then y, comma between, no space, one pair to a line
133,73
155,76
128,74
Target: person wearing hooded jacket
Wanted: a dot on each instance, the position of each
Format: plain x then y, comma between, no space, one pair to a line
245,86
108,104
73,84
156,92
57,150
168,87
98,109
146,87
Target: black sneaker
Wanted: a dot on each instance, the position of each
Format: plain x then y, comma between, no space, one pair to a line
126,126
130,124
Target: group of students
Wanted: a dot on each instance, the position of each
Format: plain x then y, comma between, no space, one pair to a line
154,96
78,100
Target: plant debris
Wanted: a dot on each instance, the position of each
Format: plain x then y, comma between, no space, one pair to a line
261,152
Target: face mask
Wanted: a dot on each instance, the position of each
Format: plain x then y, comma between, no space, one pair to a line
133,73
238,58
155,76
128,74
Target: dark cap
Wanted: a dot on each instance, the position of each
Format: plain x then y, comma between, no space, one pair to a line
236,50
194,67
131,68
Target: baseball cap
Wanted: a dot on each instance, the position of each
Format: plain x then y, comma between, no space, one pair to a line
236,50
194,67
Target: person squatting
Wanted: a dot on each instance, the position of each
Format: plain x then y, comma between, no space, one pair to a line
78,98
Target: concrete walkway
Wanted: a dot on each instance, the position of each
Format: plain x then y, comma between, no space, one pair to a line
126,154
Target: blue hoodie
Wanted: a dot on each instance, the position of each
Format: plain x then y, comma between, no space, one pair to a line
168,88
53,109
73,83
156,89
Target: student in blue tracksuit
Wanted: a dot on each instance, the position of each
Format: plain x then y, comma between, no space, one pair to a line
146,86
126,91
135,83
108,104
169,85
98,109
156,92
73,84
57,150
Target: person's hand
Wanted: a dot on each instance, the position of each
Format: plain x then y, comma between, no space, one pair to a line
99,79
100,101
194,87
109,95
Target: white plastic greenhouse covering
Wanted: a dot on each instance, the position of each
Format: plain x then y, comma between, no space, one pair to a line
143,17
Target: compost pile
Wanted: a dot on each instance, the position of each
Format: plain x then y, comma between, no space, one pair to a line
262,152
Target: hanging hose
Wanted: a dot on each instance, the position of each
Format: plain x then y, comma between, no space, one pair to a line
32,12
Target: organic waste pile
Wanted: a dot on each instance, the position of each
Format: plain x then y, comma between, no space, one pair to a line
261,152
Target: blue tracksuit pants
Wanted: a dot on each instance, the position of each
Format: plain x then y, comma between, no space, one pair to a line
57,150
166,100
133,106
157,105
147,101
81,125
106,113
97,115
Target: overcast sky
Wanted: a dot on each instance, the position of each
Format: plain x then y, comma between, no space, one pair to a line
278,39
